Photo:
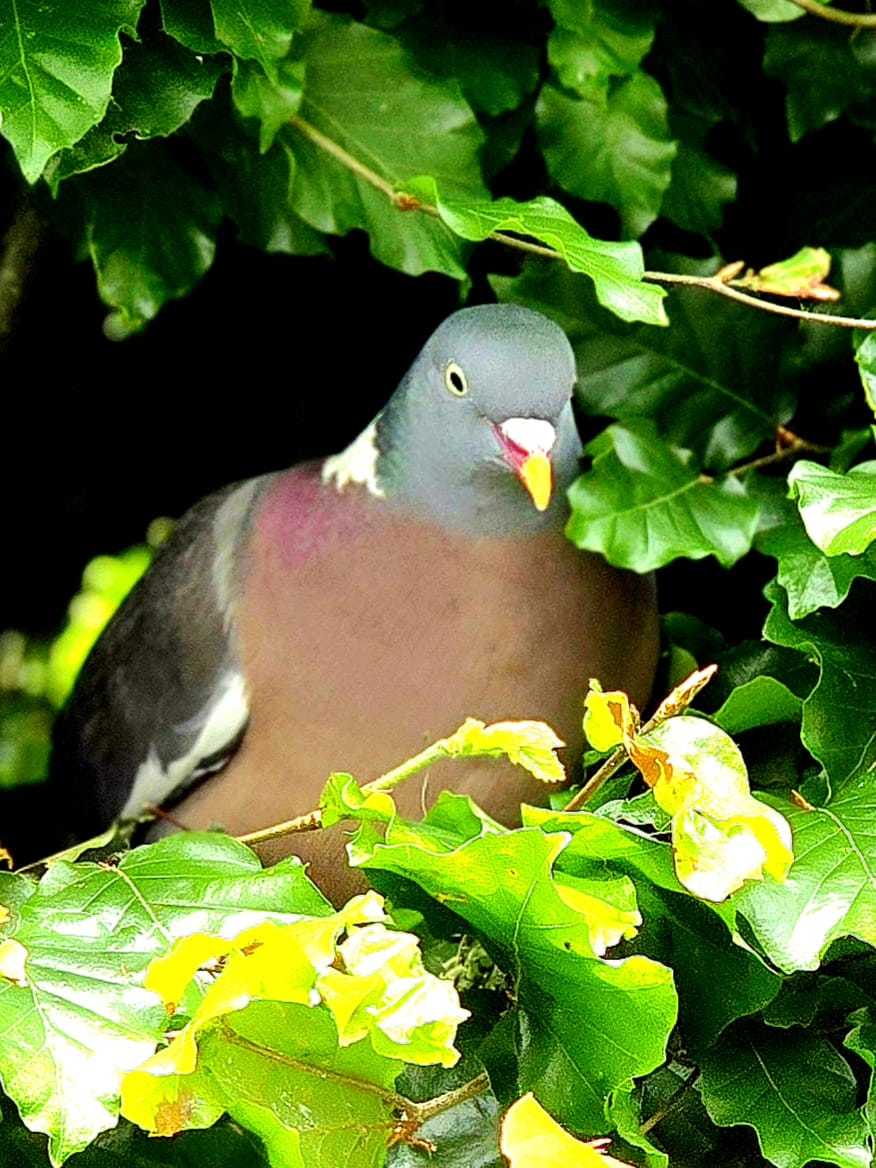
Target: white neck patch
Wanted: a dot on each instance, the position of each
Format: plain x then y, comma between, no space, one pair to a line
530,434
356,464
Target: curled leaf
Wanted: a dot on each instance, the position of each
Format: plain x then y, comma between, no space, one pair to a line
608,717
530,1138
801,276
528,744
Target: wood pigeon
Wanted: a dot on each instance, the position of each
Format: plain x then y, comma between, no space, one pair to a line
342,615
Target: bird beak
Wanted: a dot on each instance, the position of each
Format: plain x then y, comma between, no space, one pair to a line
526,446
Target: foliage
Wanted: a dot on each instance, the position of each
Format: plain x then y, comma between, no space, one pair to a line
680,960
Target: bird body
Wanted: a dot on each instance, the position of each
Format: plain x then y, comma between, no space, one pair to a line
341,616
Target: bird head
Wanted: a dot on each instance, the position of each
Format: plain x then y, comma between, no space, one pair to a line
481,431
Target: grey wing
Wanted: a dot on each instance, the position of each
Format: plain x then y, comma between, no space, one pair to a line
161,699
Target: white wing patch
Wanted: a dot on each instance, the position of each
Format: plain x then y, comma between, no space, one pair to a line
356,464
220,723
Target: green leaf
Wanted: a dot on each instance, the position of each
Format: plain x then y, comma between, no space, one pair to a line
831,887
361,93
773,11
151,232
615,268
643,505
801,275
811,579
88,931
712,381
259,30
838,510
56,71
272,102
839,727
821,72
599,41
590,1025
191,23
156,90
618,152
794,1089
862,1040
762,701
699,189
865,357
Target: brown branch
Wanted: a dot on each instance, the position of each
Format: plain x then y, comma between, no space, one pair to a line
671,1103
837,15
677,701
404,202
19,249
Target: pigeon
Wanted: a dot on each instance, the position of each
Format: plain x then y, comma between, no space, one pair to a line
342,614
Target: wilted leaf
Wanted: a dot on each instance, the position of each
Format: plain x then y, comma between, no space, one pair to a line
615,268
531,745
530,1138
643,504
801,277
90,930
838,510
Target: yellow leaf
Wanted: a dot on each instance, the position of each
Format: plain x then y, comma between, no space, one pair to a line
5,858
4,914
165,1105
12,958
606,923
609,717
530,1138
531,745
169,976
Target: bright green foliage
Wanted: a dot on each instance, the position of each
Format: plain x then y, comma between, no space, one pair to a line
866,359
617,152
796,1092
55,74
503,886
643,504
829,892
811,579
77,1018
838,511
615,268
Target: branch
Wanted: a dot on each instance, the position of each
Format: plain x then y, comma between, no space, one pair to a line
19,248
837,15
404,202
677,701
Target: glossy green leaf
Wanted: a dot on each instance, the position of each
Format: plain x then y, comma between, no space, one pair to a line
615,268
839,716
272,102
763,701
773,11
643,505
712,382
811,579
619,152
502,885
151,234
156,90
89,930
838,510
598,41
862,1040
259,30
56,71
794,1089
361,93
830,891
191,23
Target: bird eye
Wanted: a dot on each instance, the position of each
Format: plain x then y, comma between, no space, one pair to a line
455,379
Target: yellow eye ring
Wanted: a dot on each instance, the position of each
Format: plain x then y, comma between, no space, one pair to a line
455,379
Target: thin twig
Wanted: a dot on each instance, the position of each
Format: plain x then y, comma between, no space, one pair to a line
671,1103
680,698
796,446
837,15
405,203
431,1107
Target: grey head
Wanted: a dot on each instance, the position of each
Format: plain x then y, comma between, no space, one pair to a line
480,434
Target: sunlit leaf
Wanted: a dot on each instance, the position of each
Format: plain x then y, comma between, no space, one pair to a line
531,1138
531,745
838,511
802,277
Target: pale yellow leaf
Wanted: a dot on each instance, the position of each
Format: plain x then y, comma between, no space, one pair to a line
530,1138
